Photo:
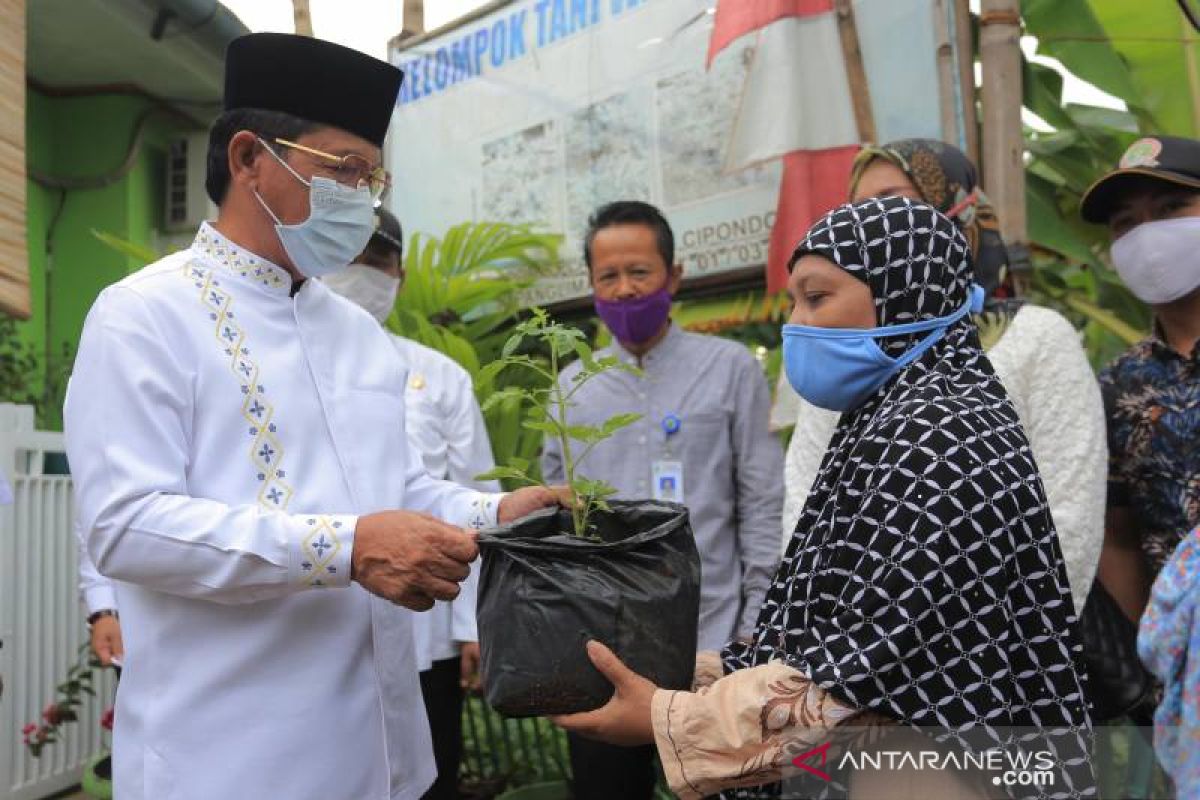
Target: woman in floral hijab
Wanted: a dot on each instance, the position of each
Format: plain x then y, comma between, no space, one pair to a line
945,178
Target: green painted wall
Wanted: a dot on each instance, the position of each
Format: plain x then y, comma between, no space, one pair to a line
38,150
76,137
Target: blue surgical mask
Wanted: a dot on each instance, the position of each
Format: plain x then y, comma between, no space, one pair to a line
339,225
839,368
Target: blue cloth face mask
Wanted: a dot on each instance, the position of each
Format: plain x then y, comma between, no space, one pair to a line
339,225
839,368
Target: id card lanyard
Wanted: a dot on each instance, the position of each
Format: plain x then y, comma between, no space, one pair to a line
667,472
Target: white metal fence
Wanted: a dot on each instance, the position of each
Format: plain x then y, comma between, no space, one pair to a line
41,621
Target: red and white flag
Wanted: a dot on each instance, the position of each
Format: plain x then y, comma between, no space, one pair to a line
814,181
796,106
736,18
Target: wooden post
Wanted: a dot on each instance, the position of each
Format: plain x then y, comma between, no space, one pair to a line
856,73
956,75
301,17
1003,139
964,48
15,297
413,19
947,69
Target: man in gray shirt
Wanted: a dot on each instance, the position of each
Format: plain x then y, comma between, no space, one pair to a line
702,440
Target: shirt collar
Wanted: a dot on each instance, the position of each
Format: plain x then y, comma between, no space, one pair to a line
659,352
213,247
1160,347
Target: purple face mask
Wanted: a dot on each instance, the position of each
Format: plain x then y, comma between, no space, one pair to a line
635,321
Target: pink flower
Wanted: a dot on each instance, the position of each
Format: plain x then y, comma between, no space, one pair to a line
28,729
43,734
52,714
106,720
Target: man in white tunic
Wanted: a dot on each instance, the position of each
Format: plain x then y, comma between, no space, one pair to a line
446,427
237,436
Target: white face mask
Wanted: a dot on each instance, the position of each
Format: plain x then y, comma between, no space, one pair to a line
339,225
371,289
1160,260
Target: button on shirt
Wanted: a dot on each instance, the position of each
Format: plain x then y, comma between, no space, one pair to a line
732,465
1152,400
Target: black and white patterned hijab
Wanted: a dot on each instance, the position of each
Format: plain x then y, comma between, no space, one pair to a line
924,581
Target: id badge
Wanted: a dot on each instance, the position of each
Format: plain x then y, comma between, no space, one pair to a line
668,480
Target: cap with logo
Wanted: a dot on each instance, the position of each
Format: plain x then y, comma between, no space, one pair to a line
1170,159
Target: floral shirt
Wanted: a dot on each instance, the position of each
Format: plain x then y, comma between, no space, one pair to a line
1169,644
1152,401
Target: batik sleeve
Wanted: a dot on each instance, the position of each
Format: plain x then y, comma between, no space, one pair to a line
746,729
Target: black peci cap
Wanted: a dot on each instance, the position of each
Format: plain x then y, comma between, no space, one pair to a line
1170,159
388,231
312,79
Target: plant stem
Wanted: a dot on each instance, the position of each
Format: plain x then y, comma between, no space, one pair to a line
578,518
525,361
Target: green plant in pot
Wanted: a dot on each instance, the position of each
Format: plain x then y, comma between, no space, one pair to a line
624,572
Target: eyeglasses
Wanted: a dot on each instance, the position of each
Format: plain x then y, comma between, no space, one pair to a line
348,170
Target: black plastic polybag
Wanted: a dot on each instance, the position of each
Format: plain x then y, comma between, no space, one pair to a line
544,592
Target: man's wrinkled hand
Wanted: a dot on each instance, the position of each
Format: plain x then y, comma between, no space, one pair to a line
523,502
411,559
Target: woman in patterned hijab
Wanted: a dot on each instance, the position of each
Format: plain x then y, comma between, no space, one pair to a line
924,584
1036,352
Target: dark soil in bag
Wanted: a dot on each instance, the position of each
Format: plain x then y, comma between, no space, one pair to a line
543,592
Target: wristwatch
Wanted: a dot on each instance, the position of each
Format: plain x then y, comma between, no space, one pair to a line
104,612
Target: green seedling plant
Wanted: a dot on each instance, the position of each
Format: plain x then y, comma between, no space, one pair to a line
548,409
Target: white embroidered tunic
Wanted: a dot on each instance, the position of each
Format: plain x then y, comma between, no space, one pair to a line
224,436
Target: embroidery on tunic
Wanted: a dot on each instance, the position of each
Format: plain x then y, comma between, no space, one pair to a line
321,547
483,511
239,261
266,450
322,543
